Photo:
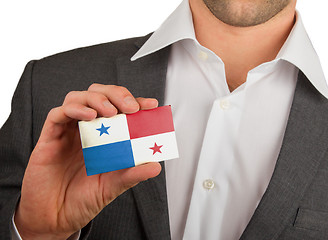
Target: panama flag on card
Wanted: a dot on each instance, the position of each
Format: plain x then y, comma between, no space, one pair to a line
125,141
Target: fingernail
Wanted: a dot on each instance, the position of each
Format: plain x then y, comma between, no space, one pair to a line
87,109
153,101
130,101
107,104
90,111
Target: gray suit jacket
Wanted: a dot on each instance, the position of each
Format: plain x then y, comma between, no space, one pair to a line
294,206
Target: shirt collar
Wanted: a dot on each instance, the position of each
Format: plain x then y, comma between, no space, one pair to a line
176,27
297,49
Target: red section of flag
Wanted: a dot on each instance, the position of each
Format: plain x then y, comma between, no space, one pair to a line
150,122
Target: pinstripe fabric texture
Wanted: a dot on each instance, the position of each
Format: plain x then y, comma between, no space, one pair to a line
295,205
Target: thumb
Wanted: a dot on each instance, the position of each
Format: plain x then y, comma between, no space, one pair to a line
115,183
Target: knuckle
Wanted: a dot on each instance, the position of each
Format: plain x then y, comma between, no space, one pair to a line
53,111
121,90
94,96
70,96
94,86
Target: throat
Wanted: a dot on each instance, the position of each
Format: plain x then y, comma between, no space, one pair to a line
235,80
241,48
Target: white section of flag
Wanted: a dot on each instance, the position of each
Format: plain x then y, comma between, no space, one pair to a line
117,132
142,152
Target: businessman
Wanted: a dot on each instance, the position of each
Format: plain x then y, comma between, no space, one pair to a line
250,109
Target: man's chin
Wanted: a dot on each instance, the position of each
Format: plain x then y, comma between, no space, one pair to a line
240,13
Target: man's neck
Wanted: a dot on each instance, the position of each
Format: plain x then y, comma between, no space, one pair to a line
241,48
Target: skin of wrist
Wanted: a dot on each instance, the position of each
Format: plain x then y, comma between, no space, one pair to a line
27,234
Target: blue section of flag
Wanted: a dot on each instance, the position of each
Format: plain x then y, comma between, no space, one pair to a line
108,157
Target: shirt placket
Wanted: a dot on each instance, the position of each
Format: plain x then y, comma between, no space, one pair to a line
217,155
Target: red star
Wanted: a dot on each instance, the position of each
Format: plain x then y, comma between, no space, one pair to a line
156,148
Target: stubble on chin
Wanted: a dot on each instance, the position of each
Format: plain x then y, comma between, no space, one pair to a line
241,13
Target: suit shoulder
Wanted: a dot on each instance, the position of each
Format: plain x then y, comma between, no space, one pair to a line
95,54
85,64
77,69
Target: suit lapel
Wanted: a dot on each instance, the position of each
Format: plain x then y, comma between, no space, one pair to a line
299,158
303,148
146,77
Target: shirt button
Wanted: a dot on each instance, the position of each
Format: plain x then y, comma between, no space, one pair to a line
203,55
208,184
224,104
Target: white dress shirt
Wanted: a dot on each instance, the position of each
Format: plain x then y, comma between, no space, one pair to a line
228,141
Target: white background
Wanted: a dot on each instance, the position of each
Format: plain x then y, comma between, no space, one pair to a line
37,28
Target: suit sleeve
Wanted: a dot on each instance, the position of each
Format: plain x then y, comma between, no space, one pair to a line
15,149
16,145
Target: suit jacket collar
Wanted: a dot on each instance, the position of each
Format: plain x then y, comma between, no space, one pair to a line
300,156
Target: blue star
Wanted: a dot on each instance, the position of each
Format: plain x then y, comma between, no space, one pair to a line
103,129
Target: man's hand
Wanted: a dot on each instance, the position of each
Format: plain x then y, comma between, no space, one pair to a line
57,197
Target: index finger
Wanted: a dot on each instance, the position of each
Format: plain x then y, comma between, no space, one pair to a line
119,96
